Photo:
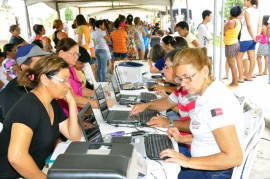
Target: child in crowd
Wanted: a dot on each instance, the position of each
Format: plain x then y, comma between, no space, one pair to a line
263,51
9,64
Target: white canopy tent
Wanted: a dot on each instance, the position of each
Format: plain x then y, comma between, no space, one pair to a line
101,6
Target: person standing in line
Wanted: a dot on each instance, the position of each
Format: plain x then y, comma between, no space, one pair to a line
268,42
231,31
58,33
33,125
250,29
139,37
102,51
183,30
119,39
40,31
83,32
263,51
204,35
146,40
16,39
131,46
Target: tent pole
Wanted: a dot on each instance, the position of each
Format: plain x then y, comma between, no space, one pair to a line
27,21
171,18
187,8
214,60
57,10
221,42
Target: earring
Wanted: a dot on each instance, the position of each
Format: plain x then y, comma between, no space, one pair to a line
206,79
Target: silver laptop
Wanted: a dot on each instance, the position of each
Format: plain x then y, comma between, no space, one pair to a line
113,116
92,133
123,99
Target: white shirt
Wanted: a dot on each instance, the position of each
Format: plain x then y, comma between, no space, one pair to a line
216,108
254,15
205,37
189,38
101,43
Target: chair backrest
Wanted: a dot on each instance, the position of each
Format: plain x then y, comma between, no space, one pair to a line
254,128
90,74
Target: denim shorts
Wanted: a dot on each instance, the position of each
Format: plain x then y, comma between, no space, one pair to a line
247,45
140,46
120,55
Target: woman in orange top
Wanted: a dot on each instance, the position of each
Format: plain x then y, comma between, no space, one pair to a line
119,39
83,32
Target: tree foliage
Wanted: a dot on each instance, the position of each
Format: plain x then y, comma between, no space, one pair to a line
228,5
68,14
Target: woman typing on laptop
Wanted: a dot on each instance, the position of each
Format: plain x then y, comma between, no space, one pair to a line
32,126
216,125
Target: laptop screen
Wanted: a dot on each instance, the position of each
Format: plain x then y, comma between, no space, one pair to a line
115,88
89,125
102,102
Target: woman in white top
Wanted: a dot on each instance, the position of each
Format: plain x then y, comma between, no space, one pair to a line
251,27
102,51
138,37
216,125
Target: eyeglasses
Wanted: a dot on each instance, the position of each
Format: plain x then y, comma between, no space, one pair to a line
60,79
74,54
185,79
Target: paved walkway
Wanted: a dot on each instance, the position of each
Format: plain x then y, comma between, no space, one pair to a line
257,92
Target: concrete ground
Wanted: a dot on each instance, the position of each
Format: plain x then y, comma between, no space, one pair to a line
257,92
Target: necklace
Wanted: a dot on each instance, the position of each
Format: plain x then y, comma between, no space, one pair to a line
25,89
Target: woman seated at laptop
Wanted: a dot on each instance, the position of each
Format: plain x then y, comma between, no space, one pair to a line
216,125
32,126
68,49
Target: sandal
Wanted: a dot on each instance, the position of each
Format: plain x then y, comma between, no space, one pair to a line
254,76
248,79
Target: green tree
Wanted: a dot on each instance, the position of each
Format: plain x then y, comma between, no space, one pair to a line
68,14
228,5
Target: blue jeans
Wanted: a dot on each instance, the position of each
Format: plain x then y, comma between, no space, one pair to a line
183,149
146,52
204,174
101,59
269,63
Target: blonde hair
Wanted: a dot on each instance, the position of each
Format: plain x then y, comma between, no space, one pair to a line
197,57
57,23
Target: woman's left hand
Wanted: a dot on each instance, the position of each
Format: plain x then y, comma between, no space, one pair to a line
175,157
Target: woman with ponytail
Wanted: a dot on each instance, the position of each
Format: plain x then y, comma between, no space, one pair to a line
32,126
215,125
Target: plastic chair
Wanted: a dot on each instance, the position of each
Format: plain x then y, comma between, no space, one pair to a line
254,128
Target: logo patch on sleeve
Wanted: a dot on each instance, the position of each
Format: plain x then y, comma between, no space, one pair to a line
216,112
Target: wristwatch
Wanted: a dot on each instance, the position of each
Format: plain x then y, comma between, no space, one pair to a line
171,123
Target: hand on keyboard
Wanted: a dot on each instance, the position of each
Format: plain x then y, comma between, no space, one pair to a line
171,155
158,121
138,108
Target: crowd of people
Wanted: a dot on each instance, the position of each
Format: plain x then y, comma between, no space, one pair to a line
45,83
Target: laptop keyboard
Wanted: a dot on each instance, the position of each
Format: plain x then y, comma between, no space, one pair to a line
155,143
146,97
121,115
121,140
146,115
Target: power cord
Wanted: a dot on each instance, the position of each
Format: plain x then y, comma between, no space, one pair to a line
162,169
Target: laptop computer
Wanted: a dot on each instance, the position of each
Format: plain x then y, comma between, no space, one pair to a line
123,99
113,116
92,133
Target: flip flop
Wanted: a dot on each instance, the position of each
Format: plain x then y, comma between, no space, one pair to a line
248,79
232,87
259,74
241,81
254,76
